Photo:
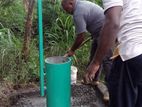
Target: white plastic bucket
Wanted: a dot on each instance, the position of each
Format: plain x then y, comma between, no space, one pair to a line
73,74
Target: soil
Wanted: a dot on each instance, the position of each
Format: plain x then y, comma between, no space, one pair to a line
5,91
9,93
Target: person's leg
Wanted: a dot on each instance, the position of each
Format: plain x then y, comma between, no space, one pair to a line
139,99
113,82
135,66
93,50
124,83
107,64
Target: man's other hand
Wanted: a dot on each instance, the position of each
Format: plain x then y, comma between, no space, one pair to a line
90,73
69,53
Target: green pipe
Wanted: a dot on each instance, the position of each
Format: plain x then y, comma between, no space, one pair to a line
41,58
58,82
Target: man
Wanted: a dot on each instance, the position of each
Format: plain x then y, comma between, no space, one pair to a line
124,22
87,17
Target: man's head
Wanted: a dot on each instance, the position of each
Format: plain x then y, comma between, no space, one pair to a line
68,5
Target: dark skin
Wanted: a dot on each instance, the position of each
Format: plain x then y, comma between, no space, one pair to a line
107,40
68,6
78,41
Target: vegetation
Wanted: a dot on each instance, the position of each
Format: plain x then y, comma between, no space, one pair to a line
12,15
12,67
59,34
12,24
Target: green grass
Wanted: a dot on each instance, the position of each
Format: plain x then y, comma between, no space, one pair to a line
12,67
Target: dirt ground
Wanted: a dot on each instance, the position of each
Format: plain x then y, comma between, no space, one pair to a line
5,91
9,92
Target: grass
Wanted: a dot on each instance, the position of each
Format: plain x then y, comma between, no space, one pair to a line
12,67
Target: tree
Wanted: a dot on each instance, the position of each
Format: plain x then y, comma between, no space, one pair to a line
29,7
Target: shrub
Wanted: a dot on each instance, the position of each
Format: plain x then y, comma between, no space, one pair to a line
12,67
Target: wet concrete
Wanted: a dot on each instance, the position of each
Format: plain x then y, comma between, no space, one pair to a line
85,96
82,96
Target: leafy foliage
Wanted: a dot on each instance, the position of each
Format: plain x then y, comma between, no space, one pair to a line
12,15
4,3
99,2
12,67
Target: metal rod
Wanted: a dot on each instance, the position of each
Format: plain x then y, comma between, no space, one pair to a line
41,56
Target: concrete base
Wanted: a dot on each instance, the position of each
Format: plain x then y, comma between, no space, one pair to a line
82,96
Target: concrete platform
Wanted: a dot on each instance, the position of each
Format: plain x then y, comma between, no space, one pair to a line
82,96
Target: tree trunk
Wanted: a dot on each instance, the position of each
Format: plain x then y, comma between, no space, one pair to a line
29,7
26,4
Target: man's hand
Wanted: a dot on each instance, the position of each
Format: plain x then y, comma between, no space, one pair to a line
69,53
90,73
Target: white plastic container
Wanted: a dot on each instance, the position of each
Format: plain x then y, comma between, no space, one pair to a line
73,74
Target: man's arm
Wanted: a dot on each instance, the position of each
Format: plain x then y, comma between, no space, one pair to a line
107,39
108,33
80,27
77,43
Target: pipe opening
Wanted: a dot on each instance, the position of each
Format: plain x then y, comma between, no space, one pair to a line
57,60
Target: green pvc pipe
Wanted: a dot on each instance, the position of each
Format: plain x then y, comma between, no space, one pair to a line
58,81
41,58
